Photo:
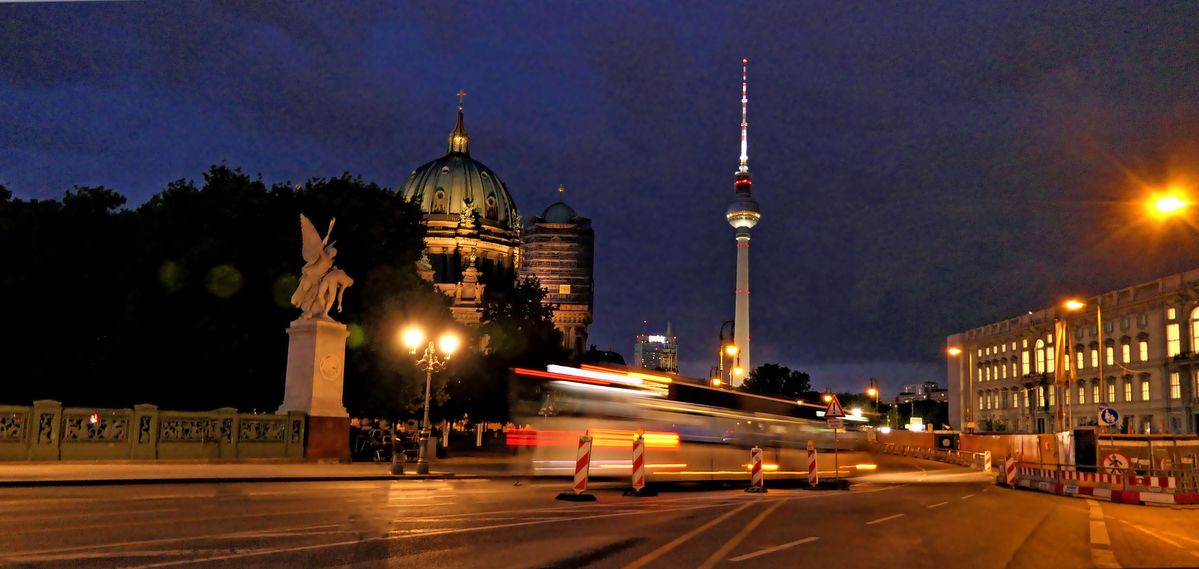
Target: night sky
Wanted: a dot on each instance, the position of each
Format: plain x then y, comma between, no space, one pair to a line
922,168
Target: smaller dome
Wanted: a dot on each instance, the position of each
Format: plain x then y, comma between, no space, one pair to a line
559,213
743,213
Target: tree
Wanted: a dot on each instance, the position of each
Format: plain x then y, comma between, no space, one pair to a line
777,381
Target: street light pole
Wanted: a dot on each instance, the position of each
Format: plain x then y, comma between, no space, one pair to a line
429,362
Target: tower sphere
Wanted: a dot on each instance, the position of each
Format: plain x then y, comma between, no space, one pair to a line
743,213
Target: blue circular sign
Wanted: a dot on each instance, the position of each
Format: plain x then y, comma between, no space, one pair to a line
1109,417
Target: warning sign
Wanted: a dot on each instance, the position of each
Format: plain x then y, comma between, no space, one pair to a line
834,410
1115,463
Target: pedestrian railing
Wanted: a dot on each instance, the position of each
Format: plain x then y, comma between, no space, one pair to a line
969,459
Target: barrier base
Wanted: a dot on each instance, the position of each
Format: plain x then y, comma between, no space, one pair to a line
572,497
839,484
640,493
756,489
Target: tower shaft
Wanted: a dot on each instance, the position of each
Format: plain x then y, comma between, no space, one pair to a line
741,314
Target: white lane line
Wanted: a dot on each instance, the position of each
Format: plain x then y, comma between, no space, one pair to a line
881,520
1101,544
937,505
967,496
1149,533
34,555
760,552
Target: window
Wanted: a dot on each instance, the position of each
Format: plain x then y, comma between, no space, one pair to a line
1111,391
1024,362
1049,360
1078,332
1040,356
1195,329
1143,349
1080,359
1003,371
1109,355
1173,343
1024,343
1175,386
563,289
1095,392
1126,352
1107,327
1171,314
1082,394
1128,389
1142,320
987,373
1094,356
1052,396
1013,346
1004,348
980,401
1124,323
1066,394
988,350
1015,400
1013,367
1144,390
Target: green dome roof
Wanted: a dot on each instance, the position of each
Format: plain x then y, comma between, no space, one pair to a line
456,183
559,213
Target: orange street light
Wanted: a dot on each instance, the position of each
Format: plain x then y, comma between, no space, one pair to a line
828,397
731,350
1169,204
954,351
1074,305
871,392
715,382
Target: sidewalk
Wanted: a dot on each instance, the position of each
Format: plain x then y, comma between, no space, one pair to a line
94,473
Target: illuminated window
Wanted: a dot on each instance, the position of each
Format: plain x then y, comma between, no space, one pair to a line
1013,367
1175,386
1082,393
1194,329
1052,396
1013,346
1126,352
1144,390
563,289
1024,342
1003,371
988,351
1095,392
1111,391
987,373
1025,363
1094,356
1066,394
1143,349
980,401
1173,343
1171,314
1109,355
1040,356
1003,348
1128,389
1081,364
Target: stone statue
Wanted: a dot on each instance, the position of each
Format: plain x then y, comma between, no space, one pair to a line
321,282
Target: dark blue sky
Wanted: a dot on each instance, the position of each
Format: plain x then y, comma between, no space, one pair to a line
922,168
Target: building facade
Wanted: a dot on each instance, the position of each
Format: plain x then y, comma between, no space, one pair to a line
1135,349
658,352
558,248
472,239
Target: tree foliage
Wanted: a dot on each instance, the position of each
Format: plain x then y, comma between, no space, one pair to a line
777,381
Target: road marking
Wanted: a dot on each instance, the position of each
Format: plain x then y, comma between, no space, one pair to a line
1101,543
881,520
659,552
1149,533
937,505
967,496
773,549
724,550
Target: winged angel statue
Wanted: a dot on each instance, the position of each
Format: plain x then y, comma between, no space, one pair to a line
321,282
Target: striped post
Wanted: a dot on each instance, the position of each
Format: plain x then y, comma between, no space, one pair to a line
1009,467
639,469
987,462
582,465
756,480
813,475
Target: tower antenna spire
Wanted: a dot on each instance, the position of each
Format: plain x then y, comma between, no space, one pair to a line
744,167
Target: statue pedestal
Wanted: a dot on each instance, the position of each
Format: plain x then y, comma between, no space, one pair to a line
315,374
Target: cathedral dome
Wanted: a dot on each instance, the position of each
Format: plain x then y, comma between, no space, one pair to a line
456,184
559,213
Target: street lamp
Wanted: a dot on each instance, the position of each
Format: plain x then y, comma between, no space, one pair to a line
873,392
721,348
1169,204
430,361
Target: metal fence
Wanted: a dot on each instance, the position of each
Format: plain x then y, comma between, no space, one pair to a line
976,460
48,431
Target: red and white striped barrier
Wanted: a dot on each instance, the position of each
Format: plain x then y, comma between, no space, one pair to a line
578,492
987,462
1132,489
757,482
1009,471
639,469
813,474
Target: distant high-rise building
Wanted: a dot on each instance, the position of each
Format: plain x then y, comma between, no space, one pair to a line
559,249
657,351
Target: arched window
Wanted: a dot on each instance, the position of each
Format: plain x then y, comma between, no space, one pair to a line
1040,350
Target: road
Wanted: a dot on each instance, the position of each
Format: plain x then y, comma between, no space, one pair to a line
910,514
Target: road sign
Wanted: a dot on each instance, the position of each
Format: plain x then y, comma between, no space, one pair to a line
834,409
1108,416
836,423
1115,463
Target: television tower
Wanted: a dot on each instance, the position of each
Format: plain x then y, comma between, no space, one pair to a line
743,215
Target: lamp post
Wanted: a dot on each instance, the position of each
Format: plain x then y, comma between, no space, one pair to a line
872,391
720,346
430,361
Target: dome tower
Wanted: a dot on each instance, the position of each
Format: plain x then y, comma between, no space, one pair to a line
743,214
472,239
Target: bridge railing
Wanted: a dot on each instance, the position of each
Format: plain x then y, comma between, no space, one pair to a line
976,460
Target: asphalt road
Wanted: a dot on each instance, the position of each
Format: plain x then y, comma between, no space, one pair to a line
910,514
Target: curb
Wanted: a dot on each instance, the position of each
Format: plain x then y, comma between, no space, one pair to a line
243,480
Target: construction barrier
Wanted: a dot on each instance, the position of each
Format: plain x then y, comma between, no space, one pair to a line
1172,487
579,492
757,482
813,474
638,481
1009,471
987,462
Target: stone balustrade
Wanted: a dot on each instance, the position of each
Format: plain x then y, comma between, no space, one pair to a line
48,431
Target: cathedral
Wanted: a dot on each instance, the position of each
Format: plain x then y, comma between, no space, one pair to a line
473,240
